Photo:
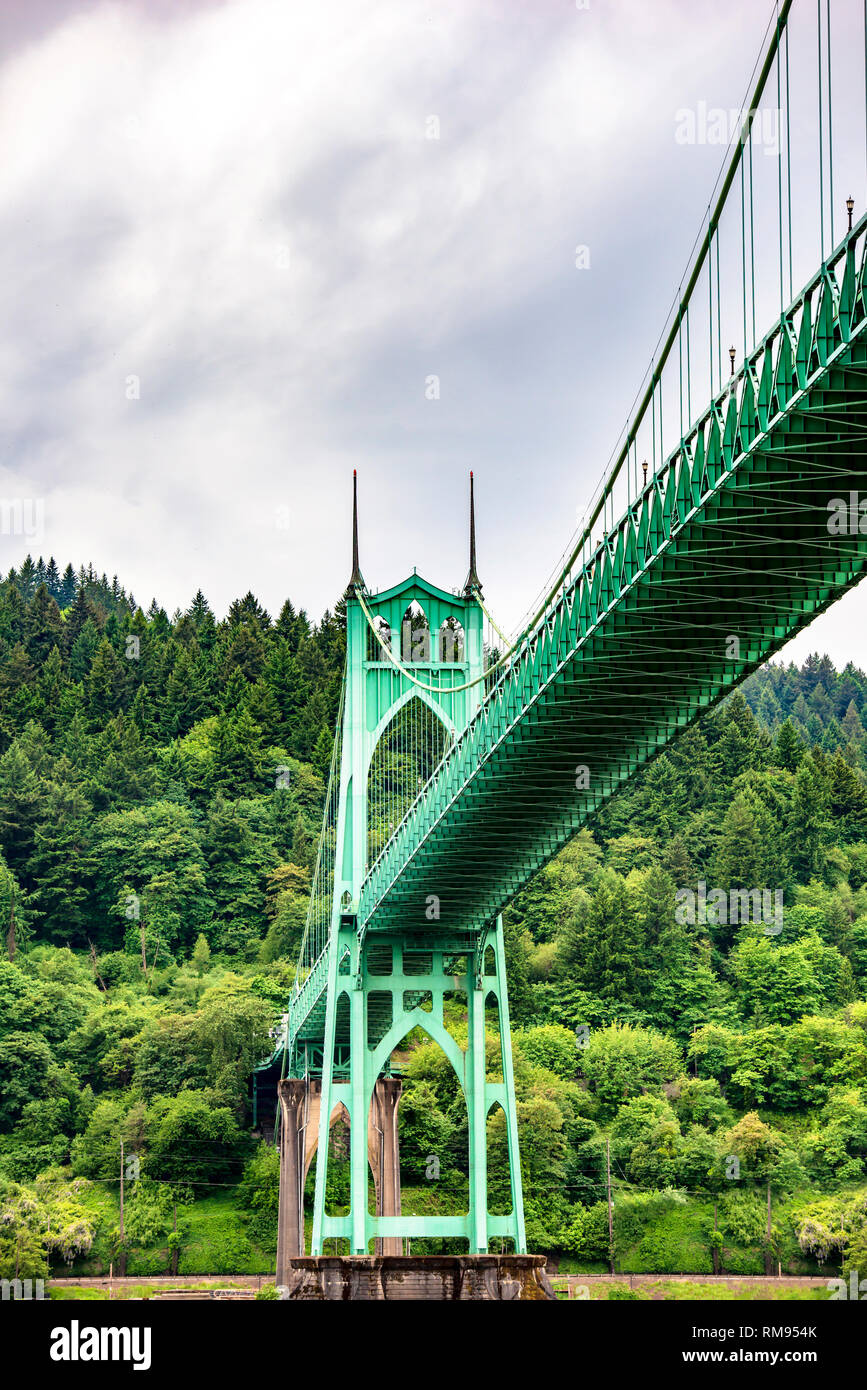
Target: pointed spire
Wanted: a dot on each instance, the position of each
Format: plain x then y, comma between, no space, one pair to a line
473,584
356,577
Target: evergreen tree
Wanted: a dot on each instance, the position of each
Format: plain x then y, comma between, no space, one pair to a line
44,626
789,747
808,823
105,684
604,946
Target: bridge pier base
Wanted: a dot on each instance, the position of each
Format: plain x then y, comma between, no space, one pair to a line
440,1278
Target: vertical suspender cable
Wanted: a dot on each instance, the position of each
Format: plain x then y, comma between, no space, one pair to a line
613,470
830,120
744,253
680,359
719,313
779,163
710,313
661,446
789,157
688,379
752,248
821,139
653,428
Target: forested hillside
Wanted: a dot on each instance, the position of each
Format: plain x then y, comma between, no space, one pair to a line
161,784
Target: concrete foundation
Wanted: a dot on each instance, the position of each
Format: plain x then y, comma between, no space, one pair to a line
384,1156
300,1105
428,1278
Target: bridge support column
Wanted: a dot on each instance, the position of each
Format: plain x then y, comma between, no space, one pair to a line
509,1088
290,1227
478,1117
326,1101
384,1151
358,1125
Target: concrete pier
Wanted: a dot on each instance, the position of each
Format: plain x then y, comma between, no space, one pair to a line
426,1278
300,1104
384,1156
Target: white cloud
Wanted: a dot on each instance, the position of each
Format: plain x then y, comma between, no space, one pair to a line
237,203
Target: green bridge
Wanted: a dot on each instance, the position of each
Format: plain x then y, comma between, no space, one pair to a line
459,770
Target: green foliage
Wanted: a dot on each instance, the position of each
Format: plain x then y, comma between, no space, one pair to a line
549,1046
147,1213
39,1221
622,1061
258,1193
779,984
426,1132
190,1139
785,1067
837,1148
139,805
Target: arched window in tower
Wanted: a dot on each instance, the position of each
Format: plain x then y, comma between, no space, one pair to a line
374,650
451,641
415,634
411,746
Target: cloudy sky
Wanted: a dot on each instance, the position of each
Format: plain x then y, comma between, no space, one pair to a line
241,237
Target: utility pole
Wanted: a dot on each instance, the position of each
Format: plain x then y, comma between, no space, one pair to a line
768,1261
121,1255
610,1216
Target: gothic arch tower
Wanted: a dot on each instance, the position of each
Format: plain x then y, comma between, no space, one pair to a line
415,666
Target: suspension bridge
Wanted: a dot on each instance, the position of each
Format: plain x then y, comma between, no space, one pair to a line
462,765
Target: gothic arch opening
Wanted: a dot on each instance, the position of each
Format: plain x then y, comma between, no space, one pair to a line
433,1139
455,1002
493,1044
337,1189
374,650
415,634
499,1185
451,641
412,744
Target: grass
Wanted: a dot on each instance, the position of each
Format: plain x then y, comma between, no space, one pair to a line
214,1240
683,1290
68,1293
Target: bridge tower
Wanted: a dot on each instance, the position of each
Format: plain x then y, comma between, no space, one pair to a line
414,678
